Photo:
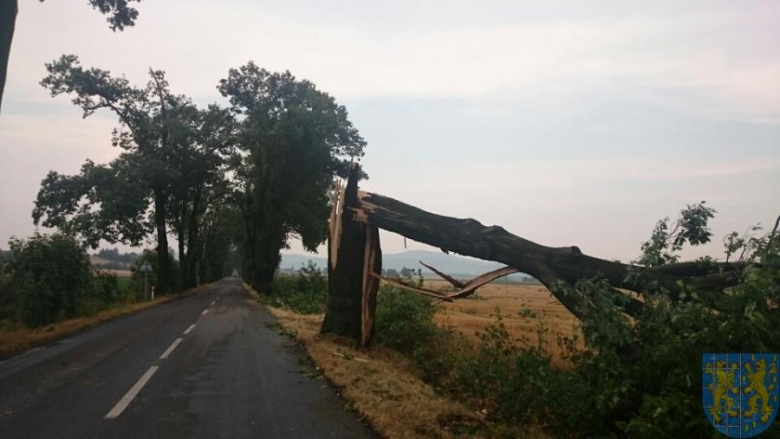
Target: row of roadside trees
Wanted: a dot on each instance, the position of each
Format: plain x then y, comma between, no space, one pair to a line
246,178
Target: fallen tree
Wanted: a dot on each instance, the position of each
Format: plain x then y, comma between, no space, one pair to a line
558,268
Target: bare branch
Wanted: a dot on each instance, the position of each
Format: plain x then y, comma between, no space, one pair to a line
405,286
456,283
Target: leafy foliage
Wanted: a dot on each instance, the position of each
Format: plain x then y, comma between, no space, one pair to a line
304,293
120,13
293,139
637,377
404,319
151,257
173,162
663,244
47,278
50,273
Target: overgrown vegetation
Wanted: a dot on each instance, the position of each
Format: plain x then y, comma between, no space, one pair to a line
634,378
48,278
305,292
404,320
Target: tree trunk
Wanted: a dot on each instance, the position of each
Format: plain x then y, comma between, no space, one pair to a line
267,259
354,252
160,213
8,12
190,276
557,268
182,256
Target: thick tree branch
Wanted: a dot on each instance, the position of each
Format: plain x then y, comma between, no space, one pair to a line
554,267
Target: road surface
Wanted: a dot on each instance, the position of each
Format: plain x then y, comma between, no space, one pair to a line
207,366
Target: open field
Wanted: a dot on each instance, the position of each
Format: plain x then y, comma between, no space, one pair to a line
119,273
526,309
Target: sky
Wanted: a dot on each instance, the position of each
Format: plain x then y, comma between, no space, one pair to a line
565,122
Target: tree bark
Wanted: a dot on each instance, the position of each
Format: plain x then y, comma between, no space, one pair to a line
160,213
372,263
8,11
190,276
354,253
558,269
182,251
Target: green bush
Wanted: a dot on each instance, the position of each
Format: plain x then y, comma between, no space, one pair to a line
7,299
151,257
305,293
404,319
51,273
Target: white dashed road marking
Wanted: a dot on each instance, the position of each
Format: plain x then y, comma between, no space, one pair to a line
170,349
188,330
125,401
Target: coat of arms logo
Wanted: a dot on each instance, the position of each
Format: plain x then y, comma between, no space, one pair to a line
740,392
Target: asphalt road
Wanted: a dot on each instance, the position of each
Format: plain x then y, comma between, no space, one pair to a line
155,375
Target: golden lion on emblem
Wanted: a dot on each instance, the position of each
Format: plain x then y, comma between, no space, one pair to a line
757,380
722,383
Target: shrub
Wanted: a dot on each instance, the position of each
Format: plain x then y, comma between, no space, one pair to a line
404,319
305,293
151,257
50,274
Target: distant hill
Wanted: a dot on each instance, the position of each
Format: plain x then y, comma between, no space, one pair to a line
454,265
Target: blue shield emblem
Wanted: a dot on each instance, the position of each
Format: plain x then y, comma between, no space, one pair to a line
740,392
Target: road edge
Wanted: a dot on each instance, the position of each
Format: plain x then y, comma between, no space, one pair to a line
45,336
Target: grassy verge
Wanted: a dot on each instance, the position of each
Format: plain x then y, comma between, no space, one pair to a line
21,338
382,385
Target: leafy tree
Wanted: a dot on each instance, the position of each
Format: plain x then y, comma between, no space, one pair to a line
67,203
50,274
200,192
153,276
120,15
173,151
293,139
390,272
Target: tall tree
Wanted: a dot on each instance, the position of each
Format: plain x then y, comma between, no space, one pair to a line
201,187
293,139
156,128
120,15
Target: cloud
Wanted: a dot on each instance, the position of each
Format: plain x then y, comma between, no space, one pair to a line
704,53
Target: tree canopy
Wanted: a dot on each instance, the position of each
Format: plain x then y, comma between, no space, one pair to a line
173,154
119,14
293,138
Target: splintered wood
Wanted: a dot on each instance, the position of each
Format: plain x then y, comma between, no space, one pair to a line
372,261
334,226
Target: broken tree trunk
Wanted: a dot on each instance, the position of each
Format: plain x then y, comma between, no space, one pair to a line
354,252
558,269
355,261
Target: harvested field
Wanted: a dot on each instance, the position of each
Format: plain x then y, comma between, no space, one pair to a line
526,309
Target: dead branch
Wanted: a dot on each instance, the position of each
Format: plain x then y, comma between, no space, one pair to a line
454,282
405,286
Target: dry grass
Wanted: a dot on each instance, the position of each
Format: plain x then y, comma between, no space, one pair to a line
382,385
527,311
21,338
